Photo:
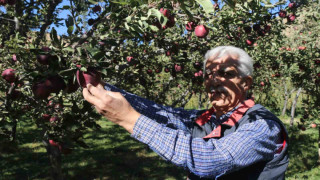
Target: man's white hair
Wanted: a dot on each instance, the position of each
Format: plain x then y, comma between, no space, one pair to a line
245,61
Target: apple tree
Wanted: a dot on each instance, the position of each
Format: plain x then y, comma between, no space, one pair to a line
151,48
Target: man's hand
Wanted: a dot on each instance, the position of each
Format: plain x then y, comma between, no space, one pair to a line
112,105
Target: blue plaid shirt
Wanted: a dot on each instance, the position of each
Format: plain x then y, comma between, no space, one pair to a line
167,131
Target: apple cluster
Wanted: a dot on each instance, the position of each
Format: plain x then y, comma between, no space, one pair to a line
5,2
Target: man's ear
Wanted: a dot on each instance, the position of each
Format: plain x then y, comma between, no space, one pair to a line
247,82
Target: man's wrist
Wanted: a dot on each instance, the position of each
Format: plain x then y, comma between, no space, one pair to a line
130,121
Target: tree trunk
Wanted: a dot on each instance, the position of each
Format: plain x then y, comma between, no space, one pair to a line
199,101
286,98
55,160
14,130
318,145
293,107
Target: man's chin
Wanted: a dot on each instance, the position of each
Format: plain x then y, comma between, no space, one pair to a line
218,105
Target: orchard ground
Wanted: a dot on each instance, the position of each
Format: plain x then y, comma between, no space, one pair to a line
114,155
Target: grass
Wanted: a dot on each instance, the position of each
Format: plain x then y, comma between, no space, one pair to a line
113,154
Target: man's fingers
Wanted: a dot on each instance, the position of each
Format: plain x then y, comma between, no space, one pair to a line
89,97
95,91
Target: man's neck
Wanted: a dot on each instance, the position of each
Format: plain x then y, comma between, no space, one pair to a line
221,111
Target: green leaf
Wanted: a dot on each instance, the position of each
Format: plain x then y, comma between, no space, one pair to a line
137,29
93,1
95,52
207,5
99,55
69,49
66,7
183,7
122,2
70,29
54,36
144,18
153,28
83,69
155,13
127,26
128,19
230,3
69,21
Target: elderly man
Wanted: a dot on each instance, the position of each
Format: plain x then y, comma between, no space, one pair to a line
235,139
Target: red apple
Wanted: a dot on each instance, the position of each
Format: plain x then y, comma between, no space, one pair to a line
292,5
313,125
91,22
58,106
149,71
249,42
168,53
15,94
54,119
198,74
262,83
14,58
302,48
11,2
165,12
129,59
171,21
190,26
256,27
201,31
90,76
9,75
53,143
247,29
72,86
3,2
46,117
257,65
291,17
41,90
282,13
43,59
55,83
96,8
101,43
267,28
197,65
158,70
166,70
229,37
177,68
45,49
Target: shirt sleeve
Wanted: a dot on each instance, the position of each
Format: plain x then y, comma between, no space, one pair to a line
254,142
177,118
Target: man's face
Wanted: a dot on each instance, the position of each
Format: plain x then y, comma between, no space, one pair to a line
223,83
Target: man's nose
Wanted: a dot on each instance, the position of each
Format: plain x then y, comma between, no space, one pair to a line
216,80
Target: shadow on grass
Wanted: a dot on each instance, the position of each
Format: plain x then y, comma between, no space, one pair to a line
303,150
113,154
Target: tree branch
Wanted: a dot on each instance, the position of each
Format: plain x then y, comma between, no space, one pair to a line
84,37
49,19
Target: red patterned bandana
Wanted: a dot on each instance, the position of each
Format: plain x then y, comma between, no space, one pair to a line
231,121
